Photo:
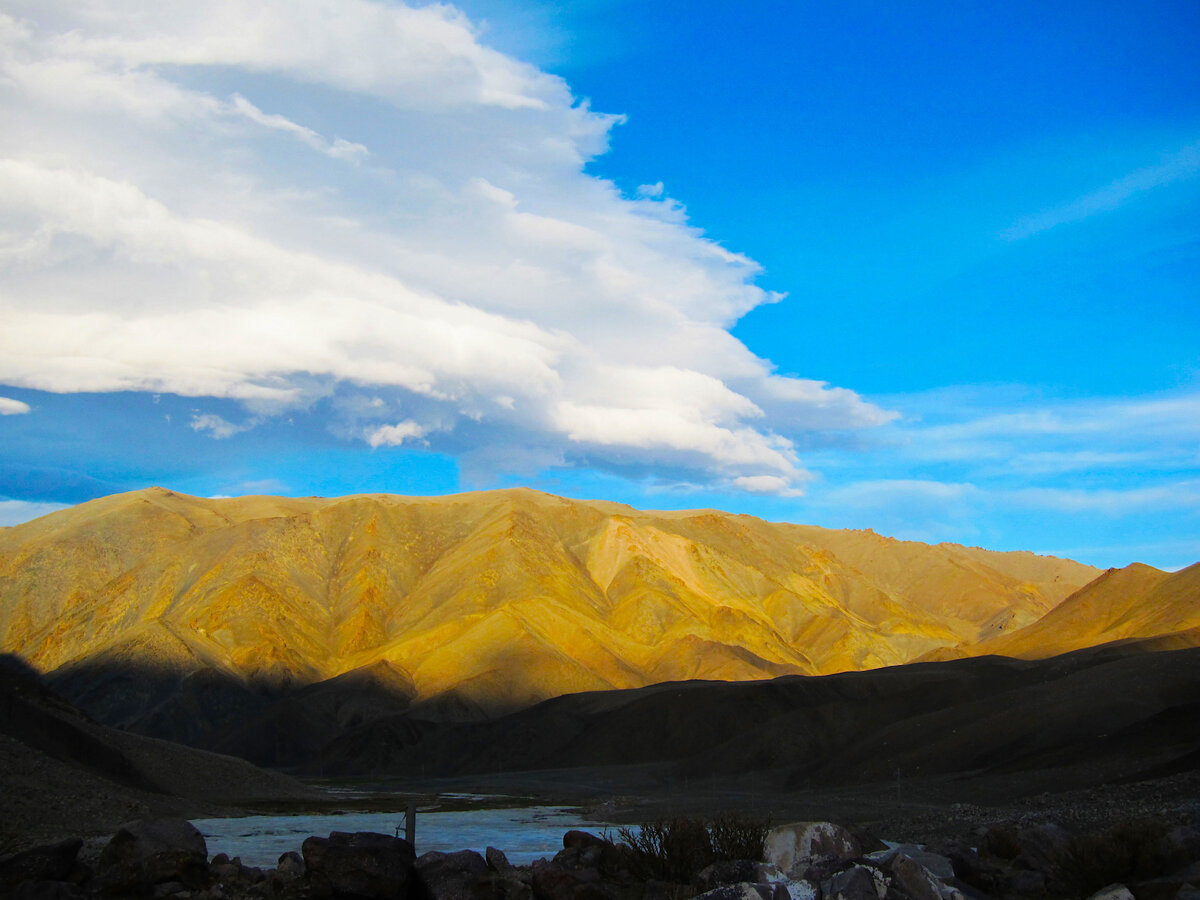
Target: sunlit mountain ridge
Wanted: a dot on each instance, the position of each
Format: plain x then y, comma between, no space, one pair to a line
493,600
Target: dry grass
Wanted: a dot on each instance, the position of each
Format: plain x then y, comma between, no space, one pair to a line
1126,853
675,850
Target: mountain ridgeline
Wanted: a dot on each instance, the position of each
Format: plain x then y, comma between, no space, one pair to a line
268,626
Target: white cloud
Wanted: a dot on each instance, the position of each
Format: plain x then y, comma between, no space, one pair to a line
465,272
1176,166
1054,436
219,428
766,484
338,148
11,407
16,512
1181,495
395,435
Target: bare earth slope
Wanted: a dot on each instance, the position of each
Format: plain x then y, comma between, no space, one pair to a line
489,601
62,774
1158,609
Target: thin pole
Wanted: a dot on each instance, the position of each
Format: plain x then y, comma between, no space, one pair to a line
410,824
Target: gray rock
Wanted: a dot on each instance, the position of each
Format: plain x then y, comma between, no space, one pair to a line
53,862
453,876
919,882
737,871
46,890
582,839
496,860
154,851
746,891
552,882
856,883
664,890
1113,892
365,864
788,845
290,865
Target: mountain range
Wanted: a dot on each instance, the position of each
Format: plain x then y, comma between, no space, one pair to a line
267,626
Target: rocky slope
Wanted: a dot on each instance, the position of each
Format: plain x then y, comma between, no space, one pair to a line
479,603
62,773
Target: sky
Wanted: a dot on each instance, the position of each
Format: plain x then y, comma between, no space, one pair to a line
929,268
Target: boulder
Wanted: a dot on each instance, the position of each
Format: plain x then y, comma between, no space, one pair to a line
818,869
454,876
552,882
582,839
738,871
290,865
1113,892
919,882
363,864
509,886
746,891
665,890
964,860
153,851
788,845
857,883
46,890
496,860
53,862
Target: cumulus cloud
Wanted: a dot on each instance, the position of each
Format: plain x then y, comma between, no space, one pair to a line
395,435
276,200
11,407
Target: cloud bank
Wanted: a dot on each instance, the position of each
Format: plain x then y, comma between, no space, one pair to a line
279,202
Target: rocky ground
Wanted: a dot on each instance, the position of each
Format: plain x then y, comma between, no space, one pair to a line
728,858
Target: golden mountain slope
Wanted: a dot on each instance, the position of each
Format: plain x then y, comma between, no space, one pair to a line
497,598
1137,602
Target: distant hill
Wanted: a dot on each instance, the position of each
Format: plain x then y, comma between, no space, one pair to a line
988,728
475,604
1158,610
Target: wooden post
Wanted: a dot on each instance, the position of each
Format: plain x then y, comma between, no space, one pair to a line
410,824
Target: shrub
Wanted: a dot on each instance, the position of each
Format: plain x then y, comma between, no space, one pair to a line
677,849
1126,853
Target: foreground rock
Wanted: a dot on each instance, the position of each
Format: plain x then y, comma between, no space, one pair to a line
151,852
166,859
363,864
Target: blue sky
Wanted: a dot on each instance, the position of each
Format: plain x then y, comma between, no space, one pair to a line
929,268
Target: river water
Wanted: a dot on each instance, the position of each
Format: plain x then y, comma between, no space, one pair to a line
524,834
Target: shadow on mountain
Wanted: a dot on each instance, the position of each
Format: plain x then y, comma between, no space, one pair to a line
270,723
986,724
62,772
989,724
